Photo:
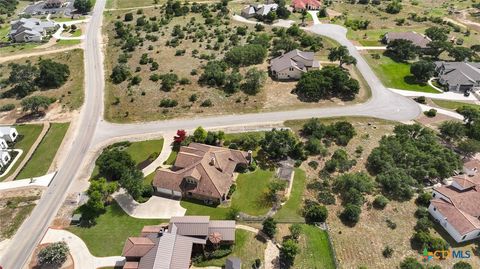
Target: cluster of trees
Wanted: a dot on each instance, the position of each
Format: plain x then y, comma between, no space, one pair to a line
281,143
27,78
246,55
409,157
466,135
83,6
328,82
340,132
404,50
352,188
99,193
8,7
117,165
339,162
292,38
35,103
281,12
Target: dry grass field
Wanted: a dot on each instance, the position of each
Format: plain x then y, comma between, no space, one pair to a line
382,22
129,103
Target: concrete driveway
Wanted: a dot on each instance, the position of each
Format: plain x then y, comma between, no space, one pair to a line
155,208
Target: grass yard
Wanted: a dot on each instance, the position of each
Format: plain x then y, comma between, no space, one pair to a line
108,236
141,151
250,194
45,153
315,251
247,247
65,42
453,104
70,95
396,75
248,198
28,133
171,158
291,210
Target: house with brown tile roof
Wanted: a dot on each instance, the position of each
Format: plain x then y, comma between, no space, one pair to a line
299,5
201,172
457,206
291,65
172,246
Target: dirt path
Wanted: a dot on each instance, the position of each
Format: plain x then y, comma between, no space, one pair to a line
46,127
272,252
37,53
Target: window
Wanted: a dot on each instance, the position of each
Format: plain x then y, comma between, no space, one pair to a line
478,234
463,237
189,193
434,209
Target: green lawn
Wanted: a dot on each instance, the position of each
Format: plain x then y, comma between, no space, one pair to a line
196,207
250,193
129,3
396,75
370,43
452,104
77,33
140,151
291,210
45,153
108,236
171,158
28,133
247,248
315,250
248,197
63,42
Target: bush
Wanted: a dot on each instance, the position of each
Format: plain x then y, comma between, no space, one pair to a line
423,225
54,254
462,265
206,103
269,227
288,251
168,103
295,230
421,99
424,199
431,113
52,74
380,202
314,212
351,214
387,252
422,212
7,107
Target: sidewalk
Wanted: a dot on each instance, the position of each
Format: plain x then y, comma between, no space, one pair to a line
42,181
162,157
444,95
272,253
442,111
79,251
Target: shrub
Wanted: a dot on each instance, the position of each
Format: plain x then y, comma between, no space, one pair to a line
423,225
430,113
351,214
421,212
166,102
206,103
380,202
7,107
193,98
421,99
424,199
54,254
462,265
387,252
314,212
295,230
269,227
288,251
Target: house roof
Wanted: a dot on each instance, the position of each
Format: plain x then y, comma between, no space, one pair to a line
473,164
151,229
190,225
462,221
416,38
137,246
130,265
224,227
292,59
212,167
459,73
302,4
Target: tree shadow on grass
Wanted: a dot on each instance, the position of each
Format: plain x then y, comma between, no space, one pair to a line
31,117
410,80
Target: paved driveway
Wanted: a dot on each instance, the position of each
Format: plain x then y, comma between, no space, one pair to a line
155,208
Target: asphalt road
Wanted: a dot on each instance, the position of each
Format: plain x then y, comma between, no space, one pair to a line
91,130
384,104
35,226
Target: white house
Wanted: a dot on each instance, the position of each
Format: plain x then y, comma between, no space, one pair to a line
4,158
291,65
254,10
457,206
8,133
30,30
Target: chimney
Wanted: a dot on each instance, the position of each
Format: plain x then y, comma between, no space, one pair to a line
249,157
212,161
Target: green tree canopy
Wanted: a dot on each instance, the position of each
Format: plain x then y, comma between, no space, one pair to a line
246,55
402,50
342,55
83,6
422,70
35,103
54,254
278,143
52,74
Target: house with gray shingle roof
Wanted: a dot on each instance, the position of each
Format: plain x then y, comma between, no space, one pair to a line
293,64
417,39
30,30
171,247
458,76
255,10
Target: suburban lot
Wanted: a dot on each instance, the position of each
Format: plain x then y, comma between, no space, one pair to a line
41,160
126,102
70,95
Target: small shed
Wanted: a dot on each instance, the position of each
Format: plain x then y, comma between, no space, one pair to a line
75,220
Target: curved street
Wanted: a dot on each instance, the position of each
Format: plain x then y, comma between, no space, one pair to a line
92,130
